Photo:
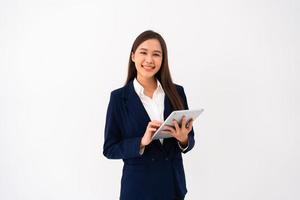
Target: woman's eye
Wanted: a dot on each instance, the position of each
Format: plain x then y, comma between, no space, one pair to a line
156,55
142,52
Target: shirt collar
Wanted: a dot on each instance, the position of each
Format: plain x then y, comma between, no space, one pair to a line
139,89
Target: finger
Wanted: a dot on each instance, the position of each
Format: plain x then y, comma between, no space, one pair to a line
167,132
170,129
155,123
183,121
190,125
190,120
152,129
177,128
170,133
168,126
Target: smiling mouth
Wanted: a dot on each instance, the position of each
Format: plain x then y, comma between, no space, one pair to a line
148,67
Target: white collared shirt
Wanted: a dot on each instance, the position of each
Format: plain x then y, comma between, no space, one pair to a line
155,105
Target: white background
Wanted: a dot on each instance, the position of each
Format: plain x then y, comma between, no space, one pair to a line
237,59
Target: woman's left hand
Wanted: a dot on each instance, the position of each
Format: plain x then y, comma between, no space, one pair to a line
180,133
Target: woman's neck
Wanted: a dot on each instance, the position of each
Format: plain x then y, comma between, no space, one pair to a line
147,83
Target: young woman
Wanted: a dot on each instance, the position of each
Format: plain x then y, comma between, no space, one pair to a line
153,169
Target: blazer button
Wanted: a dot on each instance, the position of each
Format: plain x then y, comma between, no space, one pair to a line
166,158
152,159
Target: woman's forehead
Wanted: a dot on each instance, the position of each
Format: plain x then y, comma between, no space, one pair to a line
150,45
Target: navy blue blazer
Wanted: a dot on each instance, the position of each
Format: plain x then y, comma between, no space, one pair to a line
158,173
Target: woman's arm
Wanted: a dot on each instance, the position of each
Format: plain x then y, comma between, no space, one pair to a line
115,146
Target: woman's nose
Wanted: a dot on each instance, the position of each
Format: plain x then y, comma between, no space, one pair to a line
149,59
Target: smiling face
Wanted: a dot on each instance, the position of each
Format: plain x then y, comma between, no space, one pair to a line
148,58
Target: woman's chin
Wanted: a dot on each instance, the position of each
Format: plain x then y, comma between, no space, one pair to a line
148,75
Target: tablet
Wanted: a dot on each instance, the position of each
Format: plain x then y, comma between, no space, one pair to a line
177,115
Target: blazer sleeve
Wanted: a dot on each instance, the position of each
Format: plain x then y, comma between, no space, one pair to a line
115,146
191,140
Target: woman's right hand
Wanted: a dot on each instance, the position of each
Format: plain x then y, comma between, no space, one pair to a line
151,128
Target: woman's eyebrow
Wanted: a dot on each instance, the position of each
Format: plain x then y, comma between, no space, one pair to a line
144,49
153,51
157,51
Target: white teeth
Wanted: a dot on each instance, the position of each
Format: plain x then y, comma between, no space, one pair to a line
149,67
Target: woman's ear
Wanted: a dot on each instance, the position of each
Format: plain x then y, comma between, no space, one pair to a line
132,56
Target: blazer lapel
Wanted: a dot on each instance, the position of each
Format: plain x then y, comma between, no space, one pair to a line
135,108
168,108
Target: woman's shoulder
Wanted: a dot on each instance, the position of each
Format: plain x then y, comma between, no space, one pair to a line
120,92
117,92
179,88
